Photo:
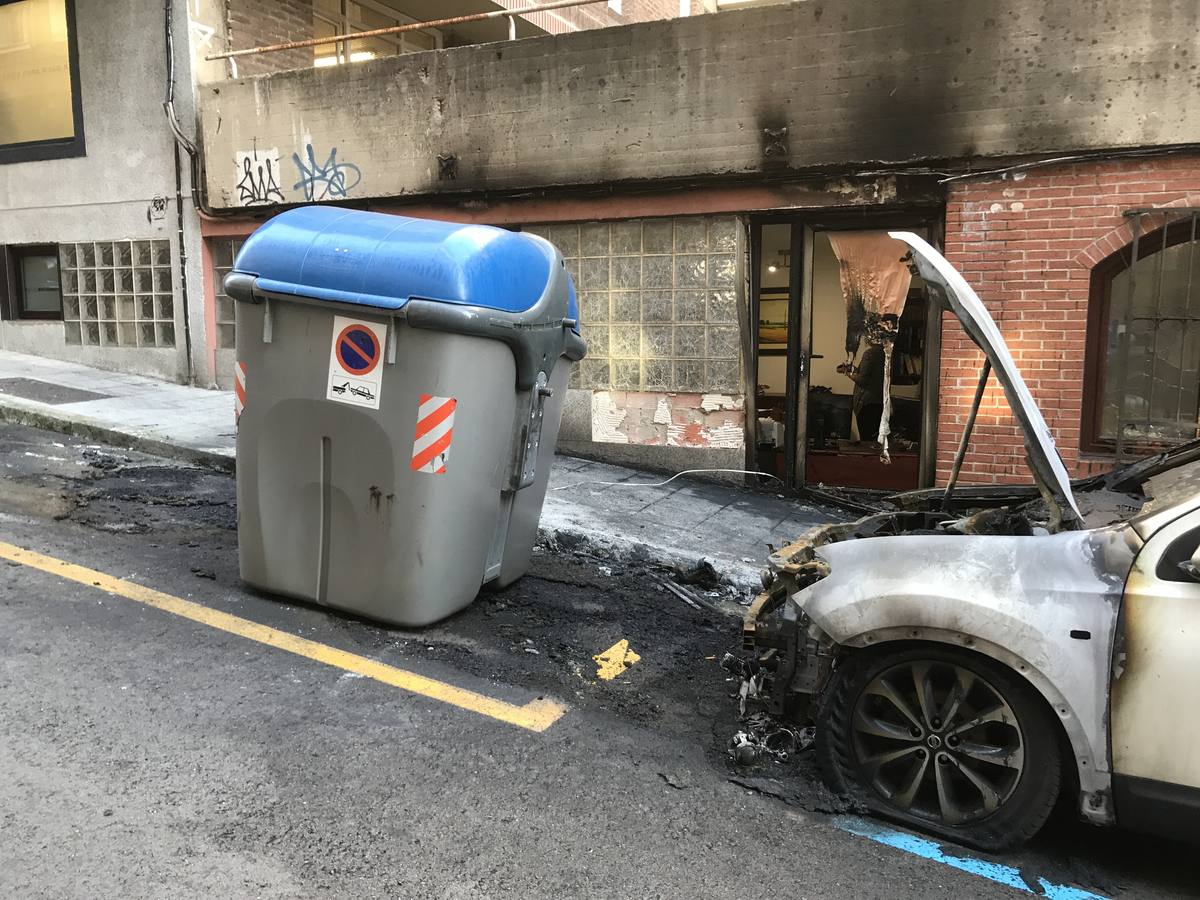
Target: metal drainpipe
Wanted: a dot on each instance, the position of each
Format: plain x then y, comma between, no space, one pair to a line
183,257
169,107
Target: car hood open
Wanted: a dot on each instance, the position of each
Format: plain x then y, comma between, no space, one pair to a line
951,291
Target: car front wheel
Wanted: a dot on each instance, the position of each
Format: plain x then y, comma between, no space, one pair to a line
946,740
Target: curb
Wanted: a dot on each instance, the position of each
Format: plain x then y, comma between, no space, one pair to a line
92,431
82,427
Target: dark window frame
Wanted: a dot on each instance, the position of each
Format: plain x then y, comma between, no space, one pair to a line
55,148
1096,337
13,289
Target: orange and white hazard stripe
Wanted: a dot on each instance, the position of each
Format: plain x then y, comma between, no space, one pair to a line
435,429
239,390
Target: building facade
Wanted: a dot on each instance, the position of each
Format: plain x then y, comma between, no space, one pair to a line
1108,348
99,237
700,176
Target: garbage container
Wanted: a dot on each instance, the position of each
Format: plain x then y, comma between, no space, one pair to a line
400,387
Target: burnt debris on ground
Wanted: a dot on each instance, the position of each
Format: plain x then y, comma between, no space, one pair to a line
136,498
774,757
763,737
579,598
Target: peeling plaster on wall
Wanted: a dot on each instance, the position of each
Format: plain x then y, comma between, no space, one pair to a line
883,190
691,435
607,419
649,418
713,402
727,435
662,413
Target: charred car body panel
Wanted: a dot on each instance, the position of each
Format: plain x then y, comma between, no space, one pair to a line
1015,599
1065,599
1159,652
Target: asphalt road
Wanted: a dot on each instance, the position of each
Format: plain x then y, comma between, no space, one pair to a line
143,754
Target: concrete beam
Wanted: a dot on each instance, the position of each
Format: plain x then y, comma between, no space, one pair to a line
802,87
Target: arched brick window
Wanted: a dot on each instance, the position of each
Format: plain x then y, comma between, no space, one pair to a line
1142,370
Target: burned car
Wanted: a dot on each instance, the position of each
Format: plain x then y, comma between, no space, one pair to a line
969,658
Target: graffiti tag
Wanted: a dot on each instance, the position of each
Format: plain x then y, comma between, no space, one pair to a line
328,180
157,211
259,181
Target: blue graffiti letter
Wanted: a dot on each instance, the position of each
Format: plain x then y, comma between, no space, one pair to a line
328,180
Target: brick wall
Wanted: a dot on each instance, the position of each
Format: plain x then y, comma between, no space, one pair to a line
648,10
598,15
255,23
1028,245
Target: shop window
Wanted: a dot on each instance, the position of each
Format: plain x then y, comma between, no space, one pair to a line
334,17
32,284
1143,345
40,112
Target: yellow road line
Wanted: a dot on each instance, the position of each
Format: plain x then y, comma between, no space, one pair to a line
536,715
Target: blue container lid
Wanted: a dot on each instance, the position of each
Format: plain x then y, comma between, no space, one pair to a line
383,261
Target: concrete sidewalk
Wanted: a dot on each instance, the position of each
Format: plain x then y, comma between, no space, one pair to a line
612,506
145,414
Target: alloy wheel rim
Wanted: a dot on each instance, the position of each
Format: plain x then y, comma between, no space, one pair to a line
937,741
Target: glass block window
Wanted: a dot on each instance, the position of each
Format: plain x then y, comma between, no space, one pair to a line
118,293
224,251
658,300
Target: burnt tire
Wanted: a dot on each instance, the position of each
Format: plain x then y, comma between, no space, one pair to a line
941,739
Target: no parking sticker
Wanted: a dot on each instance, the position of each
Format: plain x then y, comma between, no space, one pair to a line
355,373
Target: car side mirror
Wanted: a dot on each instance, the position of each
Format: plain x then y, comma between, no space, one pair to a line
1191,567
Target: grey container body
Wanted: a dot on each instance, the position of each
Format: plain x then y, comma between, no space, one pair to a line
330,509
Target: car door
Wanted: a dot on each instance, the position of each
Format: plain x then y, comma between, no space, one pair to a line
1156,683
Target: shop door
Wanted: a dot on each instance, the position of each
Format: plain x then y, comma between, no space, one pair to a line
781,339
848,393
820,384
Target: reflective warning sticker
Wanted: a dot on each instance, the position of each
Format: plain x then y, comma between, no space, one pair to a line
239,390
435,429
355,370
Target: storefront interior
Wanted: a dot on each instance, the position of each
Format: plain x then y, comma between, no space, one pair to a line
820,388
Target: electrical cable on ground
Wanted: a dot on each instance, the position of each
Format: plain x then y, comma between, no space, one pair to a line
659,484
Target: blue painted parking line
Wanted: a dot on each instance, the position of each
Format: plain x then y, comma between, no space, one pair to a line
931,850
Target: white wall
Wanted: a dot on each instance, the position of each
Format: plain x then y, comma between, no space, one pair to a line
829,320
